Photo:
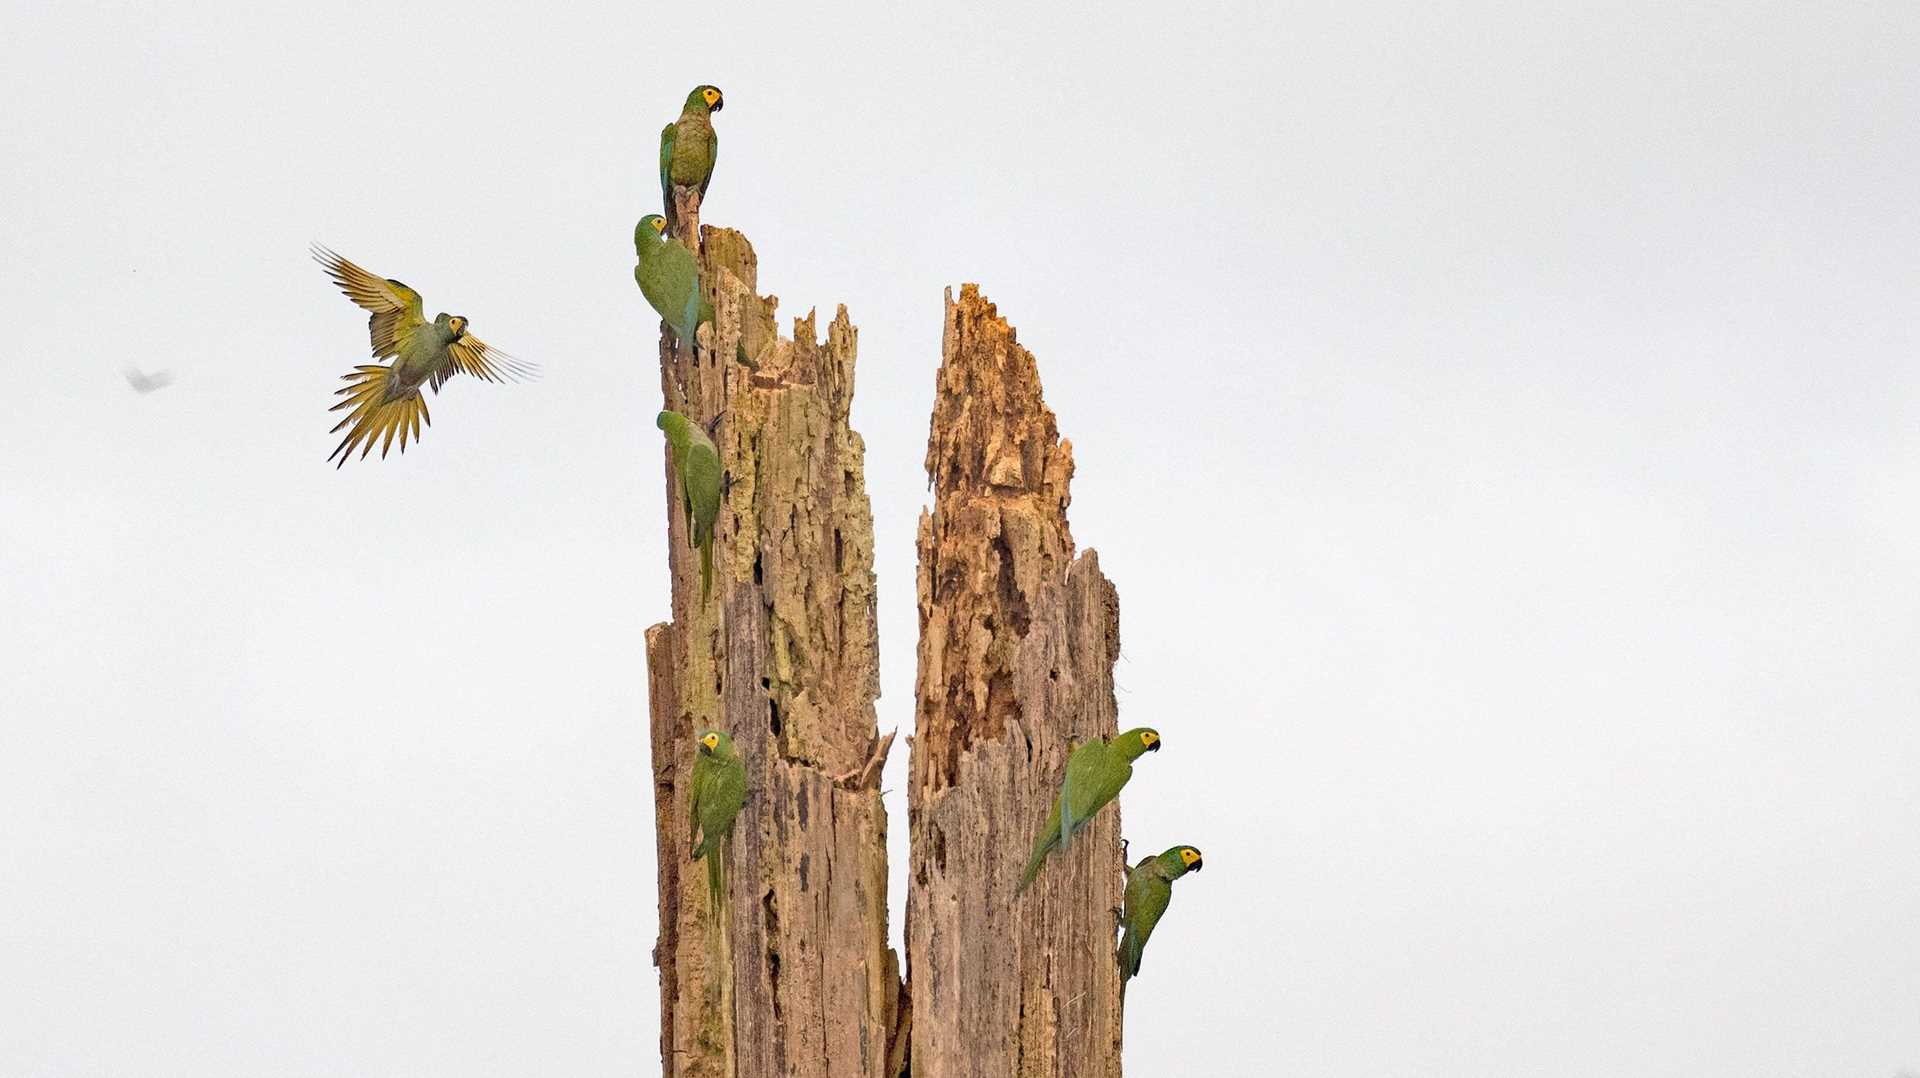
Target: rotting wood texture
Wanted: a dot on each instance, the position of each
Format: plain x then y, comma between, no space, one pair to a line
794,978
1018,638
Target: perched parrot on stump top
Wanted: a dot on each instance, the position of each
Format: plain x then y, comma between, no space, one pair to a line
696,464
1095,773
688,147
1149,889
719,789
386,400
670,278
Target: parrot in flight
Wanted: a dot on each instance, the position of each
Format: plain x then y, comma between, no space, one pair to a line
1149,888
1096,771
719,789
669,277
688,147
696,464
387,400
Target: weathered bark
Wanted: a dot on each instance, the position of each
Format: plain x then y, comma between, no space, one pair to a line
1017,643
793,977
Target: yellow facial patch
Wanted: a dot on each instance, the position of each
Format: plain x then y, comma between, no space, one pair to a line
659,224
1149,738
711,740
1189,855
712,95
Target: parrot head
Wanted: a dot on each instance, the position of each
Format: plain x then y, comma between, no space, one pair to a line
715,743
1137,742
649,230
1187,857
706,97
676,426
458,324
452,325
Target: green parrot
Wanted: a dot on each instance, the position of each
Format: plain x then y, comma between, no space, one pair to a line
719,789
1096,771
1149,888
670,278
387,400
696,463
688,146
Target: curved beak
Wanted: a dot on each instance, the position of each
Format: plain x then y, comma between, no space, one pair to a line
1155,747
1196,866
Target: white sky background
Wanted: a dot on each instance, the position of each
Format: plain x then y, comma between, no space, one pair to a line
1500,422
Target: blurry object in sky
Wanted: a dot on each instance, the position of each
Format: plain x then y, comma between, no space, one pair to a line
147,383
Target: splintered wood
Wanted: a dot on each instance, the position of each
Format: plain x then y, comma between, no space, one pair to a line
1018,638
793,977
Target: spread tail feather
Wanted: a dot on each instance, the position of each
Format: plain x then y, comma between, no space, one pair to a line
373,416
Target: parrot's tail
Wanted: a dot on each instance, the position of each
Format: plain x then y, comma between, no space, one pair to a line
716,885
1036,862
706,568
373,416
1131,946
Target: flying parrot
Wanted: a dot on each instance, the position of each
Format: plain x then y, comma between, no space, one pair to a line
387,400
669,278
1149,888
719,789
688,147
696,463
1096,771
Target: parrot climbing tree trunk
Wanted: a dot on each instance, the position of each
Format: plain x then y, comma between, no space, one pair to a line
1018,638
791,976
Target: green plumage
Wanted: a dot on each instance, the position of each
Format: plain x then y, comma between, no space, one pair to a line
719,790
696,464
670,278
689,147
1149,889
1096,772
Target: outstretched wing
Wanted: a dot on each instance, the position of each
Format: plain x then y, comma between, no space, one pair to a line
473,356
397,309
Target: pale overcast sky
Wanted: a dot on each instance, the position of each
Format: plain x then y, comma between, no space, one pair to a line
1501,422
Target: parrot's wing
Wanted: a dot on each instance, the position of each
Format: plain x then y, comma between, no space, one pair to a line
397,309
709,774
730,791
1147,896
1083,782
690,313
713,159
694,784
473,356
666,165
701,481
719,793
